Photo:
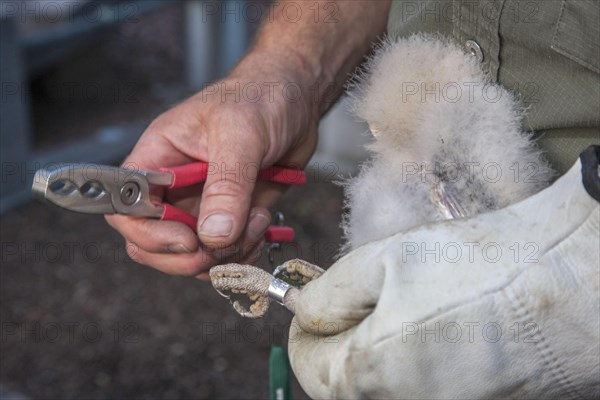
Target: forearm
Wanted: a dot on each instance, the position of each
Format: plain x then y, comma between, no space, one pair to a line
322,41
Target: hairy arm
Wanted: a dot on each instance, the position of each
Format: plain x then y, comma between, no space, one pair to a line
323,40
308,45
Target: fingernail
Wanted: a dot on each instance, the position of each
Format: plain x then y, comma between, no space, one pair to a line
257,226
178,248
217,225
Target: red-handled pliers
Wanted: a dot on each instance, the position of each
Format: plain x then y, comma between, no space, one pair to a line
102,189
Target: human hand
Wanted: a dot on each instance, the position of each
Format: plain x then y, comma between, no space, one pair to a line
238,125
500,305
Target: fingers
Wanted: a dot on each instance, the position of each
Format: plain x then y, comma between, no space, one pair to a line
190,264
251,258
315,359
258,222
155,236
165,253
148,234
235,153
203,276
344,295
328,313
186,264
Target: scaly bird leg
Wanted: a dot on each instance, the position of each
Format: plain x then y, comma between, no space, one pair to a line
232,279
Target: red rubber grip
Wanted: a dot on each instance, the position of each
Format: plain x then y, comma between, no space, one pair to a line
273,234
288,176
279,234
171,213
189,174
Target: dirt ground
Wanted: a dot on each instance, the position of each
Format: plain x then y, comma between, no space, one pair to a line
79,318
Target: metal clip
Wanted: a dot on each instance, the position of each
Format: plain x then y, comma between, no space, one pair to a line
278,289
279,220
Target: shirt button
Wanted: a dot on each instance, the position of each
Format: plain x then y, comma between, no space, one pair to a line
474,49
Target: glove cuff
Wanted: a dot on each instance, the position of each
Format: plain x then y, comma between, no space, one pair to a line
590,171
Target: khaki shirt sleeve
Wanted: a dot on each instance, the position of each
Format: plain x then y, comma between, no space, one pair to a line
547,51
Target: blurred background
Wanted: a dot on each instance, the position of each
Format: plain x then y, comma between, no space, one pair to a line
81,79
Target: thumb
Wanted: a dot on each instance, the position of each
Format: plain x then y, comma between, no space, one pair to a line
344,295
234,162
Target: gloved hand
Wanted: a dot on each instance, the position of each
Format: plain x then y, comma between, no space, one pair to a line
505,304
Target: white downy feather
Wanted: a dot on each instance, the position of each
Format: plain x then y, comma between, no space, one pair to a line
436,117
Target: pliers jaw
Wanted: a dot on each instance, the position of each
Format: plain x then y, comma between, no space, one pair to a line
97,189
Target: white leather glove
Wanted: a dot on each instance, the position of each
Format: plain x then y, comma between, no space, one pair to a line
505,304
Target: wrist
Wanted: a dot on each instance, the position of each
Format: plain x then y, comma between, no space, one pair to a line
306,63
285,77
284,66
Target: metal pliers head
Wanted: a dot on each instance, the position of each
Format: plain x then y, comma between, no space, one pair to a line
99,189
